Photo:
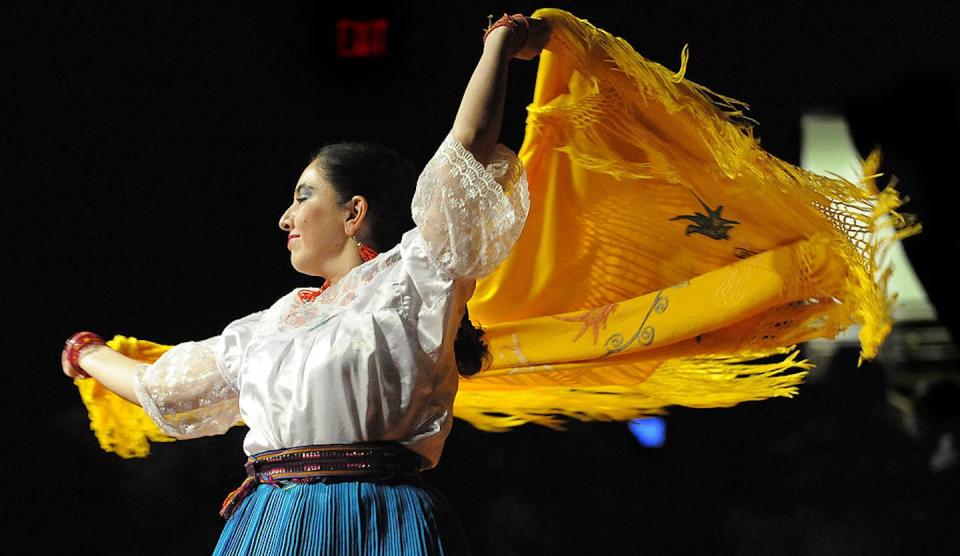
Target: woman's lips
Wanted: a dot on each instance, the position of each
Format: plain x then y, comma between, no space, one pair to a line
291,238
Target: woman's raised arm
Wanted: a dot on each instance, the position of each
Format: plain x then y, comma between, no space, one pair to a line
471,200
477,125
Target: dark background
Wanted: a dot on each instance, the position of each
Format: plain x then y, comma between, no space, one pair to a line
150,148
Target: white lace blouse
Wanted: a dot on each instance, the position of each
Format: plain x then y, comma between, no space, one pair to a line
371,358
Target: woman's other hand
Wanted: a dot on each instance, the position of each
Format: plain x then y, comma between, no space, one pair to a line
112,369
537,39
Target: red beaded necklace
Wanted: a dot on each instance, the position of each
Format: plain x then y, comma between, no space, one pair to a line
306,296
367,253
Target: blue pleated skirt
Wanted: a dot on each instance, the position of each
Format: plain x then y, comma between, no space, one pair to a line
346,518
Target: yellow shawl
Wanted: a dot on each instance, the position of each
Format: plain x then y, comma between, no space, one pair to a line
664,254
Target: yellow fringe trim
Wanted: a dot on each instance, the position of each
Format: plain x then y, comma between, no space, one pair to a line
711,381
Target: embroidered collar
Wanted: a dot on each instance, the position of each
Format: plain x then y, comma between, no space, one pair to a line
308,295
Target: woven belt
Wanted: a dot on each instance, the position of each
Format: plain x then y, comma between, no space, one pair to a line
308,464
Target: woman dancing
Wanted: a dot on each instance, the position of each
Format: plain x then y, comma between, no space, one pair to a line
348,388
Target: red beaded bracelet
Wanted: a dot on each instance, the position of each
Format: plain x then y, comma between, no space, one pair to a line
519,26
76,344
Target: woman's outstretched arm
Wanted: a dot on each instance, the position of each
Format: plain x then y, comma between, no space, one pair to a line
477,125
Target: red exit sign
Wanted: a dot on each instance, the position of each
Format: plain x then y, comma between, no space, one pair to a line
361,38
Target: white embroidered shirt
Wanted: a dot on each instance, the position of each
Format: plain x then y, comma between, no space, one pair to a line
371,358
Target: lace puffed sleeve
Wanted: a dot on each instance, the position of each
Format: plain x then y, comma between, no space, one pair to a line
191,390
469,215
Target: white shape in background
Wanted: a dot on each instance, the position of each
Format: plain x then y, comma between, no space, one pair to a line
827,149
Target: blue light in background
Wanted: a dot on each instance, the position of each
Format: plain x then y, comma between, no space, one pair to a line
649,431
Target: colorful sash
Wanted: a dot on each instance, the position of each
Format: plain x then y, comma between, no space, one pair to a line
383,461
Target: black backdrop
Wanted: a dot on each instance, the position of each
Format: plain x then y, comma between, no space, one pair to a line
151,147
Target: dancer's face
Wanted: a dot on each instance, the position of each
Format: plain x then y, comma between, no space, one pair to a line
319,228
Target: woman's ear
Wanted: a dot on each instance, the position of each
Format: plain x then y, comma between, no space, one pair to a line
356,214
